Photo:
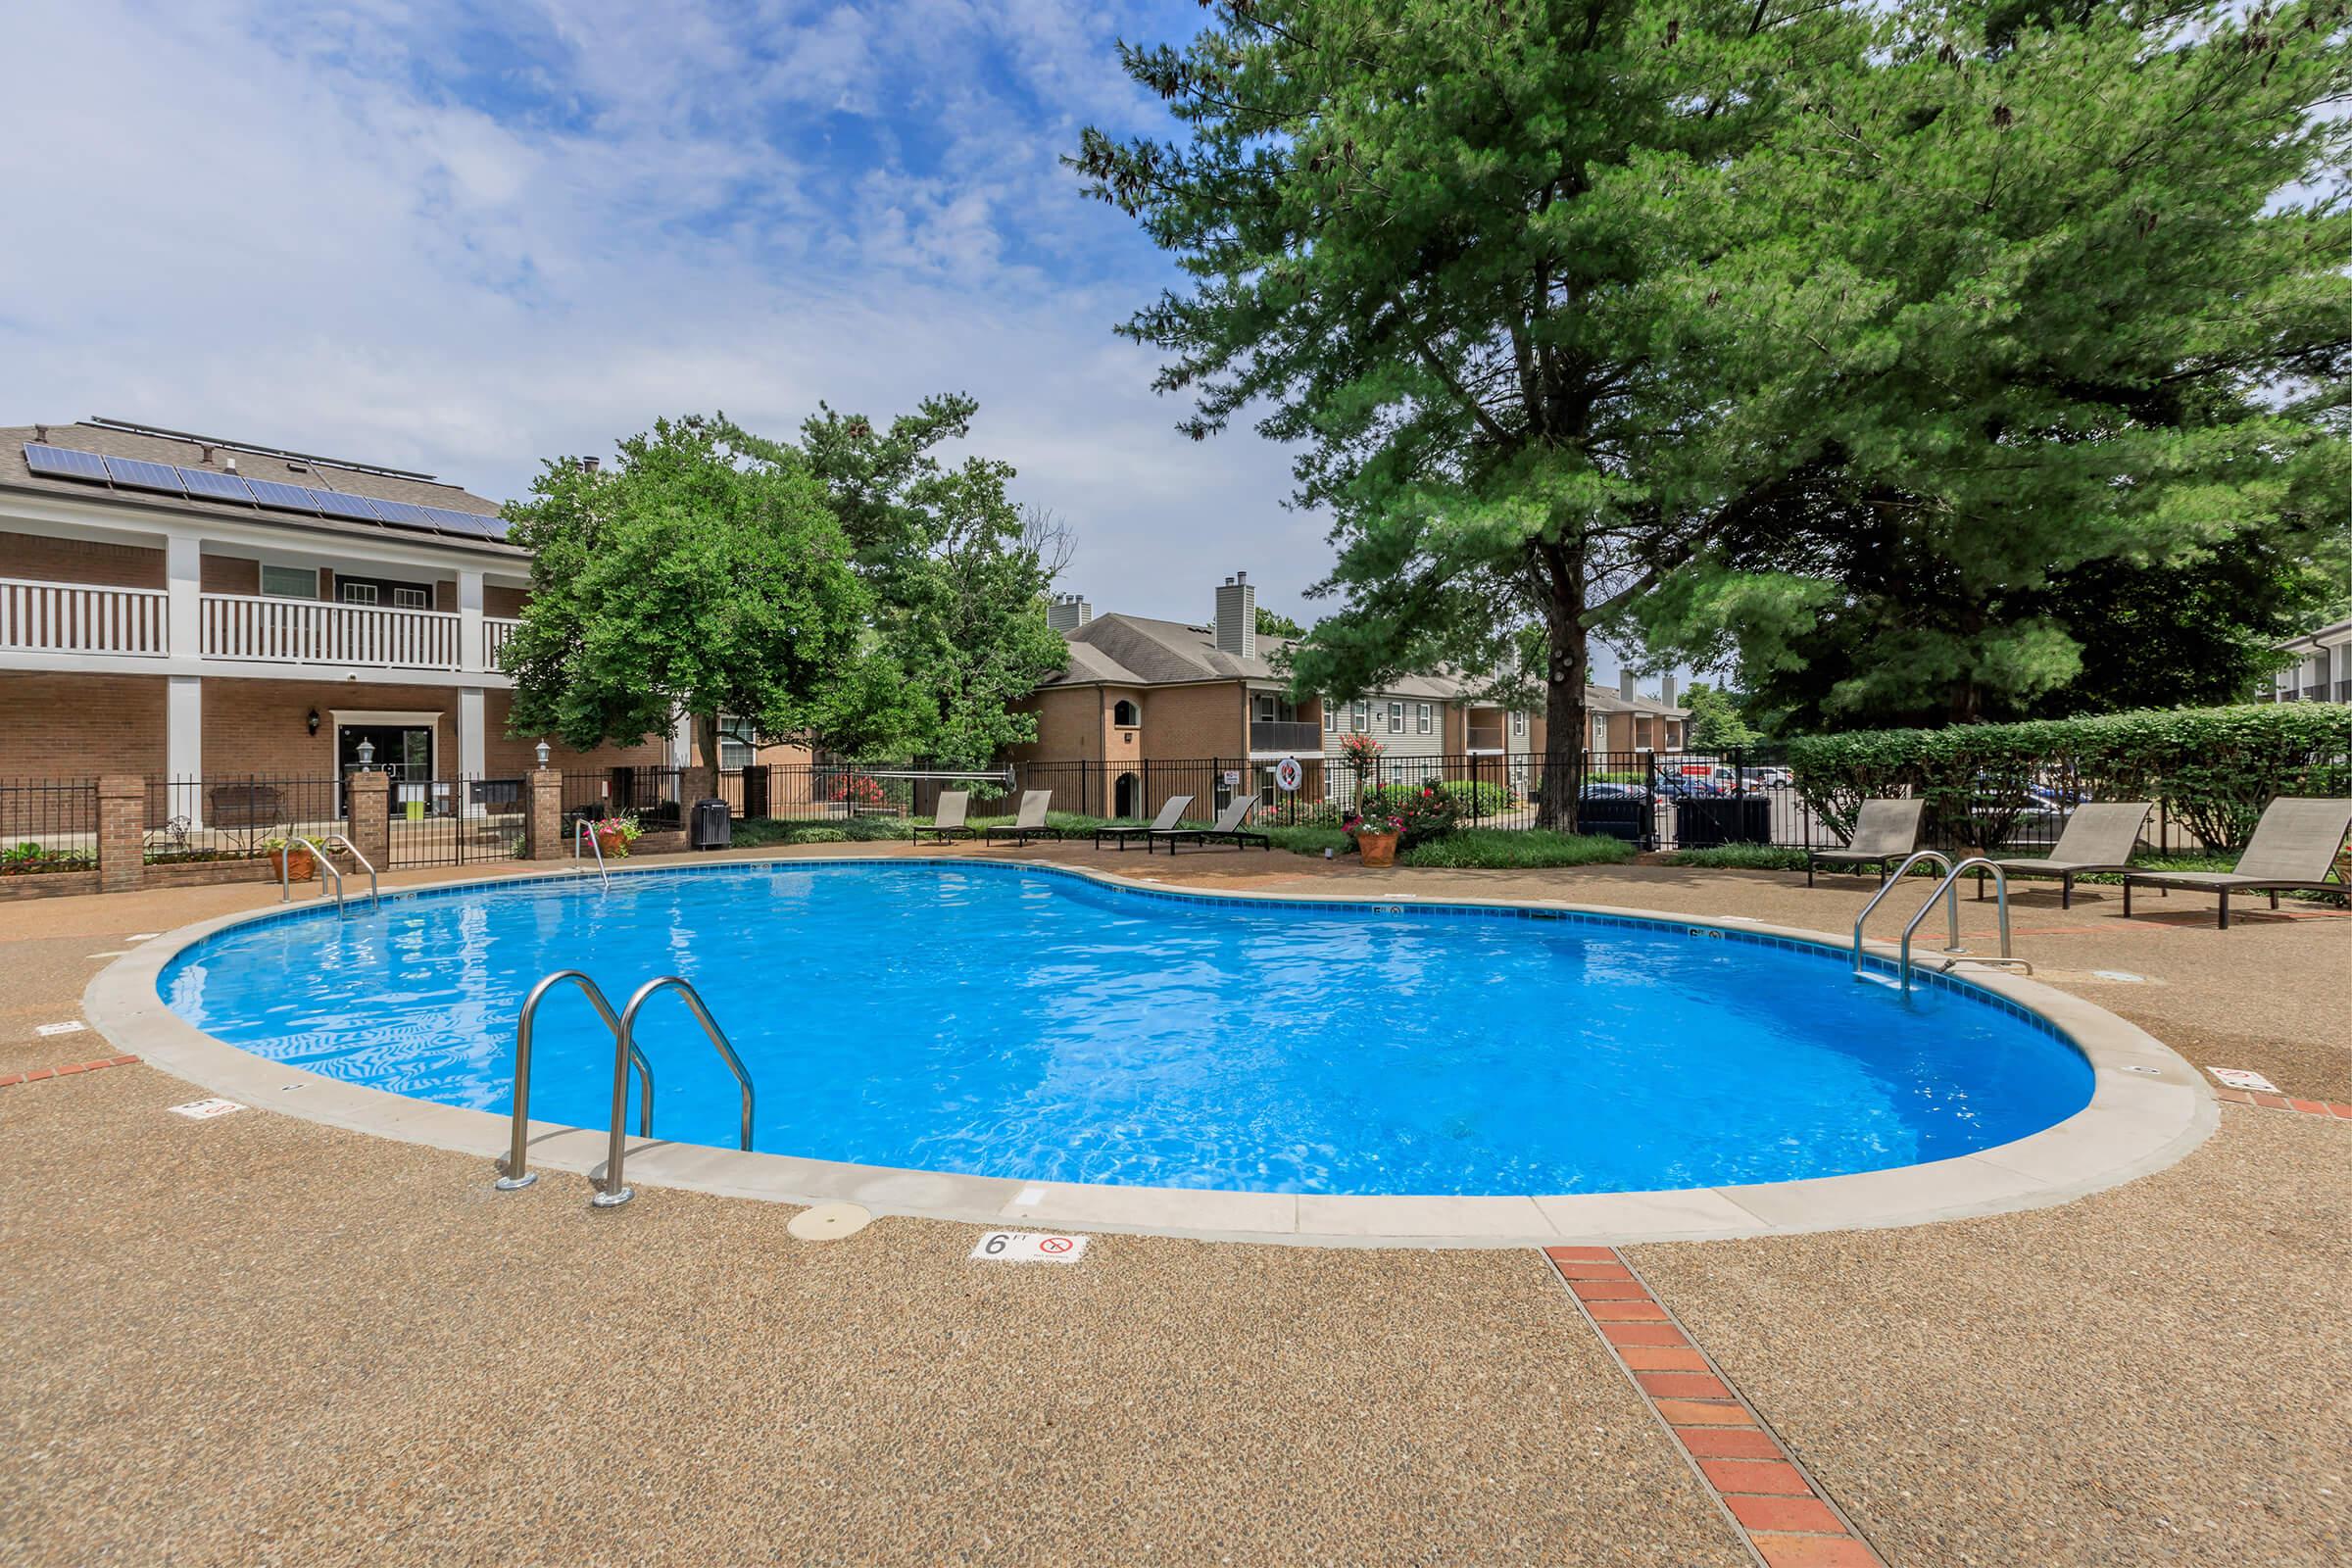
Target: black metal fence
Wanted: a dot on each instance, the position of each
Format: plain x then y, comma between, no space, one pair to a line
651,794
234,817
463,820
48,825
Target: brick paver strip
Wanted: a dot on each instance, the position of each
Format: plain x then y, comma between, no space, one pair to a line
2309,1108
1780,1511
34,1075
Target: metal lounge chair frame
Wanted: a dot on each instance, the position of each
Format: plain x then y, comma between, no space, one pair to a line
1169,815
1030,823
1885,832
2099,836
951,802
1229,827
2293,848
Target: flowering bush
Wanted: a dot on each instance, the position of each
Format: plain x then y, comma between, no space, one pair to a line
856,789
1361,754
1416,813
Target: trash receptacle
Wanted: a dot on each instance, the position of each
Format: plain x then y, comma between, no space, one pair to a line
711,828
1624,817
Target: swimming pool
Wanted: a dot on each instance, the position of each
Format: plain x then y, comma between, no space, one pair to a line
1016,1021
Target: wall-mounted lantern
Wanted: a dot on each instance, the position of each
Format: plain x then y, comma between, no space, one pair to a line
311,719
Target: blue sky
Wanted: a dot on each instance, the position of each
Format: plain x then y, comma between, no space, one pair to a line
462,238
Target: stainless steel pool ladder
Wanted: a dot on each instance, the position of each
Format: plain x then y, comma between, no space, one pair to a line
1948,890
516,1173
581,830
285,878
613,1191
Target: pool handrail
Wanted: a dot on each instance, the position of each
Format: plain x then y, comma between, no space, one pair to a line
376,894
1894,880
582,829
286,870
516,1170
612,1190
1951,883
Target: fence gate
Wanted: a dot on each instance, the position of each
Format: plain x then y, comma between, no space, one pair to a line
466,821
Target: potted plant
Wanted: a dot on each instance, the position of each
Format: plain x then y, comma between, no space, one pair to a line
1376,837
614,834
291,862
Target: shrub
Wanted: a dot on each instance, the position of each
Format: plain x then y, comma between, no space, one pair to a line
2213,768
1516,848
1476,799
1417,813
1739,858
1312,839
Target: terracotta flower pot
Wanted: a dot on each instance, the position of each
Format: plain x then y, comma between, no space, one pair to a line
1379,848
293,866
613,843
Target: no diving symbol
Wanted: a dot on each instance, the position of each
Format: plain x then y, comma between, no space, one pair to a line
1055,1245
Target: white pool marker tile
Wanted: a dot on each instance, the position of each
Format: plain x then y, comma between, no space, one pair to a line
1024,1247
2121,976
205,1110
2244,1078
71,1026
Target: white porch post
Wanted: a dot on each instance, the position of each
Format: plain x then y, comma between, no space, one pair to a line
681,742
472,739
472,653
184,603
183,744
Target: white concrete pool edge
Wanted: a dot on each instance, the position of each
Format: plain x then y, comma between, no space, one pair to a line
2148,1108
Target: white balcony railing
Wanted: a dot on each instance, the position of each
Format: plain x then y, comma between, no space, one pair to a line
69,618
496,629
314,631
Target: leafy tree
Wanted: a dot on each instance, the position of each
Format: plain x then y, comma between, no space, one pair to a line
1273,624
2093,327
1434,240
959,576
703,575
1716,721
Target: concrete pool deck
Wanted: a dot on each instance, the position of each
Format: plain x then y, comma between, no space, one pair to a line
259,1339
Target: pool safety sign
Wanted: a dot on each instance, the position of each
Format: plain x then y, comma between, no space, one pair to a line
1024,1247
205,1110
2244,1078
1288,774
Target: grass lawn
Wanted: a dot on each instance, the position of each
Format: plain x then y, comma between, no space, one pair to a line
1515,849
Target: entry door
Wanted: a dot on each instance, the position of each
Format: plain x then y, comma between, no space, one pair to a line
403,751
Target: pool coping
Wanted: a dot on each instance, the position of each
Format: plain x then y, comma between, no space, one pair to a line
2148,1108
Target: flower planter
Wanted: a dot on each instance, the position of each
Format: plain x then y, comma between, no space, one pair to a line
615,844
292,866
1378,849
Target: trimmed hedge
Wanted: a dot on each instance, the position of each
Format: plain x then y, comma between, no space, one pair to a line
2212,768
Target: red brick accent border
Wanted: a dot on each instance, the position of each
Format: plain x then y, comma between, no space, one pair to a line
1780,1511
2309,1108
36,1074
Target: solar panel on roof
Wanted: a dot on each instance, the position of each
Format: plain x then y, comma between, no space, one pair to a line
469,525
205,485
341,504
402,514
134,475
64,463
283,497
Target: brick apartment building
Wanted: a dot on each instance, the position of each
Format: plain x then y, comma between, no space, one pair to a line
1141,695
187,608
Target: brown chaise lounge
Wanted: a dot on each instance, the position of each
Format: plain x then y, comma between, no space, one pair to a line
2100,836
948,820
1169,815
2293,850
1030,823
1885,831
1229,826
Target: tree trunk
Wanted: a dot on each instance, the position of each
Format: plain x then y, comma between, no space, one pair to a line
1563,716
706,739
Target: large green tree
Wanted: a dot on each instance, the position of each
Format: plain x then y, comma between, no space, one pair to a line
1438,245
958,575
2092,309
703,574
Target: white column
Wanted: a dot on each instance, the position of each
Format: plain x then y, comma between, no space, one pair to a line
681,742
183,606
472,653
472,741
183,744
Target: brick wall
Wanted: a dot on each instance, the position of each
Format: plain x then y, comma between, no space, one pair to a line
79,726
1189,722
230,575
509,755
46,559
502,602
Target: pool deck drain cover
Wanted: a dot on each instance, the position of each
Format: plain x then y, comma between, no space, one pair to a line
828,1222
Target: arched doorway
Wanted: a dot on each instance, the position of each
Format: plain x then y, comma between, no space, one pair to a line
1125,794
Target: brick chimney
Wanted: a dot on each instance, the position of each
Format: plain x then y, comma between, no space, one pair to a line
1067,613
1237,616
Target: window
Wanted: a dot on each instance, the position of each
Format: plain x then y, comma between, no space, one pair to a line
1331,717
411,599
1275,709
290,582
1395,719
1124,714
738,741
1519,725
1427,722
1600,732
356,593
1359,718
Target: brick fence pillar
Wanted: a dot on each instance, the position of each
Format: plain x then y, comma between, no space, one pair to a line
122,832
370,827
698,783
543,815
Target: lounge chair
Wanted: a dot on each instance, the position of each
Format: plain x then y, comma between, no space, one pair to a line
1228,827
1884,833
947,821
2100,836
1169,815
1031,823
2293,848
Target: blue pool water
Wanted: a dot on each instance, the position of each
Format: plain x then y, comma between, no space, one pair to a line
1010,1021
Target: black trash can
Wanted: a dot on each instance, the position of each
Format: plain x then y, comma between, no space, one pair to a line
711,827
1704,823
1624,817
